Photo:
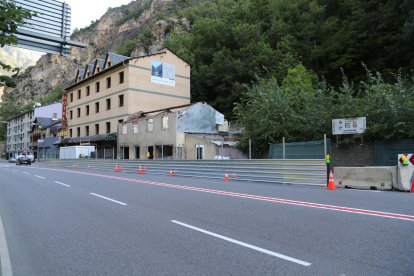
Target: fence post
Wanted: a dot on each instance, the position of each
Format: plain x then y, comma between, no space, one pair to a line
284,151
250,148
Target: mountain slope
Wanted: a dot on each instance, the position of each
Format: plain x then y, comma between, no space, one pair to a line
135,29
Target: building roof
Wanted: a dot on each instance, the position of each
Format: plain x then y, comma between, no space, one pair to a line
81,73
46,122
115,58
98,63
116,61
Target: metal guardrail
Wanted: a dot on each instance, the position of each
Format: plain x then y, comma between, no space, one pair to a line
288,171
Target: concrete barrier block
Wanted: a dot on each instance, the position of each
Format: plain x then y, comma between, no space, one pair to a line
405,176
378,178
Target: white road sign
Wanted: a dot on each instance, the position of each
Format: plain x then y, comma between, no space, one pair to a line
349,126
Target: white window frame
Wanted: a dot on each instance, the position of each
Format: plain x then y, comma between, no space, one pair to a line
150,125
165,122
125,129
135,129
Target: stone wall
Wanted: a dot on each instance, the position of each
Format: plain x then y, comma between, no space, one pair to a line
353,155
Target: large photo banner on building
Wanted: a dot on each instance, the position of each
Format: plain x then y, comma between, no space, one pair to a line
162,73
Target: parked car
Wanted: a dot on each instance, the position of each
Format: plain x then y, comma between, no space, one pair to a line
12,160
23,160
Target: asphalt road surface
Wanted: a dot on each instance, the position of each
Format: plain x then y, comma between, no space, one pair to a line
57,221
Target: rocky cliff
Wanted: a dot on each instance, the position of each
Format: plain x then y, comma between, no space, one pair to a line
134,29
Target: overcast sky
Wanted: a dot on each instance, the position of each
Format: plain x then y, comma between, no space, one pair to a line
85,11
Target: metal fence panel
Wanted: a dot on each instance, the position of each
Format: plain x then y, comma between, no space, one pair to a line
299,150
288,171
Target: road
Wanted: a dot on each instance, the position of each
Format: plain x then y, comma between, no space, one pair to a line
58,221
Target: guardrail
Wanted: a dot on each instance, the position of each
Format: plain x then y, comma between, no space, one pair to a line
288,171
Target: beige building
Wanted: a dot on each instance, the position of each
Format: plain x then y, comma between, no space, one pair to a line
108,91
194,131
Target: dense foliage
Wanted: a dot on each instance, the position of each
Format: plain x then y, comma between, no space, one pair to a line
232,42
301,108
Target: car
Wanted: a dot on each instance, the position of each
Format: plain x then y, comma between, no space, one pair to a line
23,160
12,160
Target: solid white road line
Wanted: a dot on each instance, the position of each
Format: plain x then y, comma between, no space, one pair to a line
40,176
6,269
110,199
26,173
278,255
57,182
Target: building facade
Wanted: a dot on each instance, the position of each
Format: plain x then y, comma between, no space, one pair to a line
108,91
20,126
196,131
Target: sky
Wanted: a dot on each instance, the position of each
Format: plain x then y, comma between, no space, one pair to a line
85,11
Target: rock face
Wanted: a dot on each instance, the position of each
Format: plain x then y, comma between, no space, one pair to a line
142,24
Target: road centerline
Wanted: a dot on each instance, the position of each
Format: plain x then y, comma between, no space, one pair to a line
272,253
110,199
39,176
26,173
63,184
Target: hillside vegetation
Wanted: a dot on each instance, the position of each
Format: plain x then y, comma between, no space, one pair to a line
311,60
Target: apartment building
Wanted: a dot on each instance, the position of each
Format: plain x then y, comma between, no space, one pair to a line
195,131
20,126
107,91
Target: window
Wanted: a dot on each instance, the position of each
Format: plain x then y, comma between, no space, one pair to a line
108,104
71,97
79,94
88,90
78,131
96,129
71,114
124,129
108,64
165,122
79,112
121,100
97,107
200,151
87,130
121,77
108,127
135,129
97,87
137,152
87,110
70,133
150,125
108,82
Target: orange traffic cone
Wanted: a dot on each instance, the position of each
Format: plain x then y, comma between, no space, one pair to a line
331,183
140,170
117,169
171,173
226,177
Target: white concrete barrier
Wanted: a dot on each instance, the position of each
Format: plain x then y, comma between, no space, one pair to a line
377,178
405,173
